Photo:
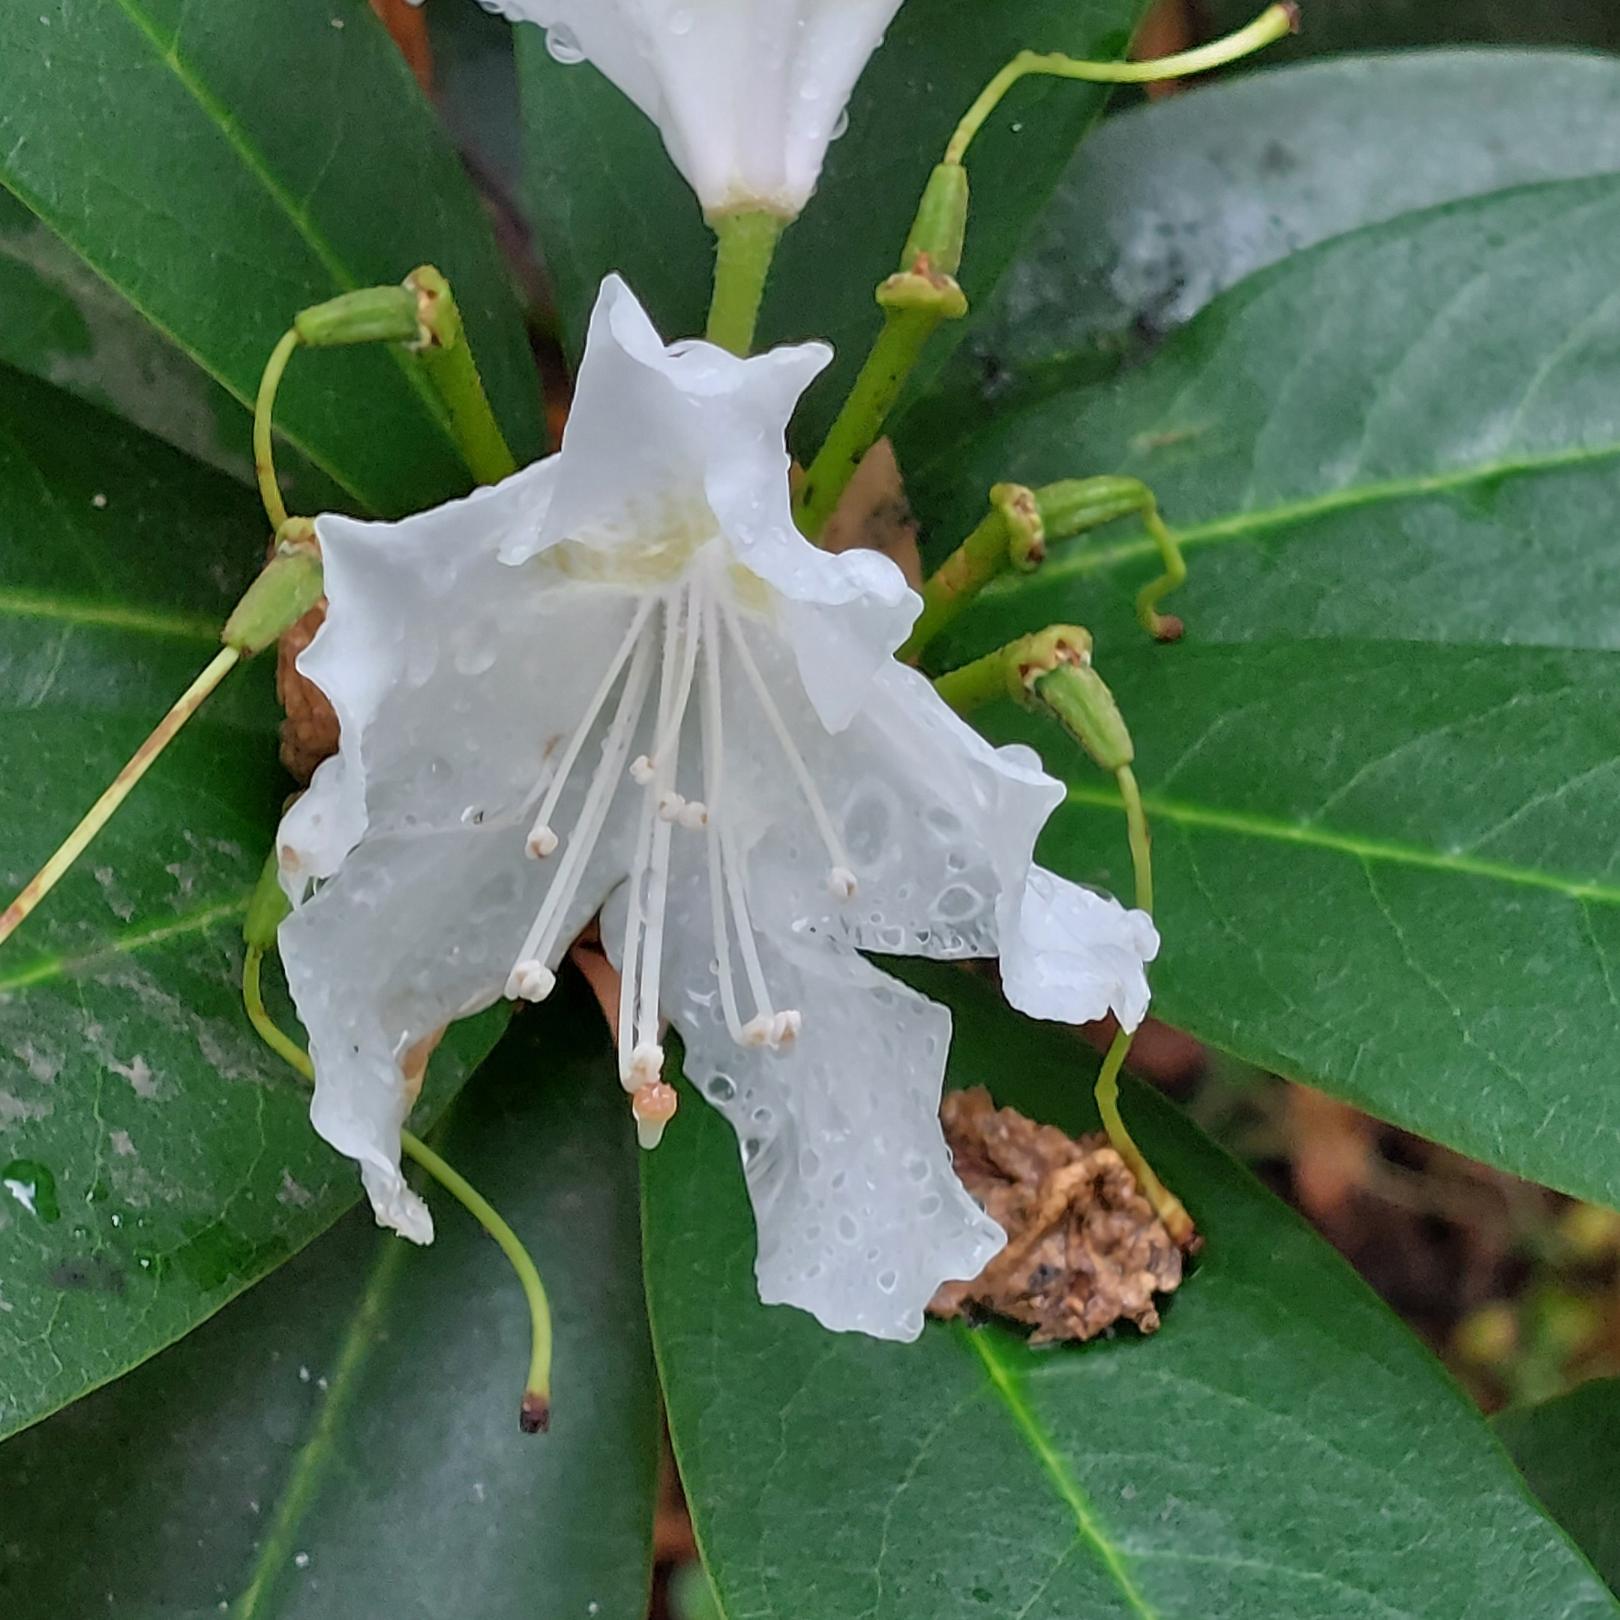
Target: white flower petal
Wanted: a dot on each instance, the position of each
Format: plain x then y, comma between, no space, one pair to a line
668,446
937,826
649,422
1077,955
414,930
424,638
859,1213
746,93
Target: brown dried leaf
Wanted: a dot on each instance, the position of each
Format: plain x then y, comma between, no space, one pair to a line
1084,1248
409,28
309,734
873,514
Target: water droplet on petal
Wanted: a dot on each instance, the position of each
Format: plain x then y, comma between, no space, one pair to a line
562,47
841,126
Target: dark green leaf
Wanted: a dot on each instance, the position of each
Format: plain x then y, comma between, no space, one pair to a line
143,1112
1567,1448
606,198
1170,203
1389,870
67,326
1409,432
225,166
1281,1447
1358,25
344,1442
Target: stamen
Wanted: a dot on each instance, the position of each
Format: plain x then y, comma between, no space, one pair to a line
694,815
774,1030
666,754
713,755
542,840
530,980
841,880
593,816
725,864
646,1066
643,771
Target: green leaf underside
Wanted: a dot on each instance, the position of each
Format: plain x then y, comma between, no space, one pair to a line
224,167
66,326
349,1429
1282,1446
605,197
1567,1448
179,1158
1388,870
1171,202
1340,25
1407,433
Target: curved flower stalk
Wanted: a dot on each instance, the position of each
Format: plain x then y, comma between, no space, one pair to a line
622,681
746,93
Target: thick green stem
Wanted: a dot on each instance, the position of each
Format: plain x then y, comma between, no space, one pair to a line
534,1412
957,581
447,359
745,244
859,424
983,681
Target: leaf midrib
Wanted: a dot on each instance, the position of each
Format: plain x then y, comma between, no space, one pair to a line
1289,514
43,969
1369,850
1011,1397
309,1466
106,615
253,161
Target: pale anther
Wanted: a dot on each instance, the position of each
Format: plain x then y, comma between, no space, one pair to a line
641,770
841,883
646,1067
671,805
530,981
542,842
785,1027
694,815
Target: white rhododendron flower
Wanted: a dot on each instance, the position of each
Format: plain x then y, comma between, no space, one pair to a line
622,681
746,93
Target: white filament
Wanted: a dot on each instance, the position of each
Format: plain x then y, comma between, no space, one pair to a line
641,962
841,878
542,840
543,936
